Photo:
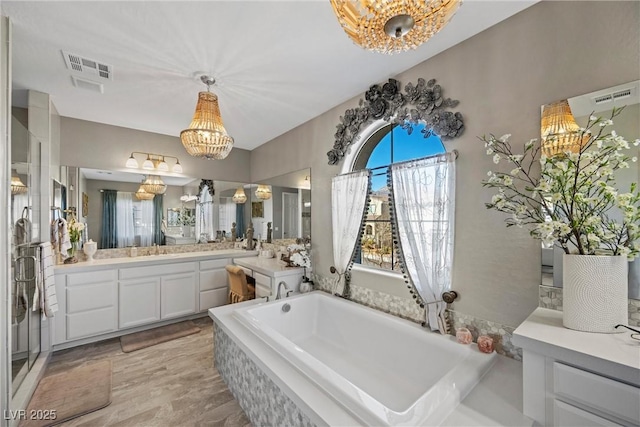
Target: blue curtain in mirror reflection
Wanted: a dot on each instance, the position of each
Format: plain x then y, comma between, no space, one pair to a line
108,235
240,219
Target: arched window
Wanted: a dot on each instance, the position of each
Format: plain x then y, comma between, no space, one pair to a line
390,144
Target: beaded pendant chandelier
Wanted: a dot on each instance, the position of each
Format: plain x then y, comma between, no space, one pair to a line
391,26
239,197
17,186
206,136
154,185
263,192
559,130
142,194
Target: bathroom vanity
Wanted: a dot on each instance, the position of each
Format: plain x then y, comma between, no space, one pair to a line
269,273
106,297
577,378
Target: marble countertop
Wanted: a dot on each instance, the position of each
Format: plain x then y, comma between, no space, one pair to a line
269,266
495,401
107,263
542,332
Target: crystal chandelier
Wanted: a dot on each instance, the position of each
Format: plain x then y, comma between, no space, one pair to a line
263,192
17,186
239,197
391,26
154,185
206,136
559,130
142,194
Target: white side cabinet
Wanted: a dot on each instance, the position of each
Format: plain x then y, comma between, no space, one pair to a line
88,305
269,273
573,378
214,283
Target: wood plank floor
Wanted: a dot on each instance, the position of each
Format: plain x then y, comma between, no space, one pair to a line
170,384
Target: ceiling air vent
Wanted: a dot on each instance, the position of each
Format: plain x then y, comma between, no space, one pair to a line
87,66
626,93
614,96
87,84
603,98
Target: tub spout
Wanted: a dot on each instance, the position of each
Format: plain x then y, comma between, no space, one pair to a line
286,288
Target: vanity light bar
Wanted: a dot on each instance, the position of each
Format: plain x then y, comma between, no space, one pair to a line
153,162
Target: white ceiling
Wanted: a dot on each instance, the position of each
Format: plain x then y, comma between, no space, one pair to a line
278,63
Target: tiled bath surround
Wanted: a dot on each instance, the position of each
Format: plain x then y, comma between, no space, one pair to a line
408,309
551,297
261,399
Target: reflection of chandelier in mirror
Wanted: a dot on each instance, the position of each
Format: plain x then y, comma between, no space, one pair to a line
391,26
263,192
559,130
206,136
154,185
17,187
142,194
239,197
154,162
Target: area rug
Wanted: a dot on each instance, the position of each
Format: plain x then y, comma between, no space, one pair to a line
144,339
61,397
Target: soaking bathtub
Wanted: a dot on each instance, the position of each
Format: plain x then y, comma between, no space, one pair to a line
382,369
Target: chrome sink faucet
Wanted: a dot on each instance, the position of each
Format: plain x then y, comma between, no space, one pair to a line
287,290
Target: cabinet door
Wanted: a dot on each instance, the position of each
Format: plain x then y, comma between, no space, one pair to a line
91,304
264,286
139,302
178,295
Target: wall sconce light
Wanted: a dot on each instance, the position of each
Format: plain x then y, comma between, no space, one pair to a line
154,162
239,197
263,192
17,186
154,185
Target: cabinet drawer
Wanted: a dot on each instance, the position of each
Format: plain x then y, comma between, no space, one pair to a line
214,279
88,278
83,298
91,323
262,279
213,298
214,263
566,415
156,270
601,393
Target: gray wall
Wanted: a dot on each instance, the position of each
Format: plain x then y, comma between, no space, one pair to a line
100,146
551,51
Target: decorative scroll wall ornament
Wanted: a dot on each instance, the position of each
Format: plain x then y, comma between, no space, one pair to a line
421,103
209,184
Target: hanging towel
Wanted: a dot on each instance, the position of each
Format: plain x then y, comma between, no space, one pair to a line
22,231
46,284
60,236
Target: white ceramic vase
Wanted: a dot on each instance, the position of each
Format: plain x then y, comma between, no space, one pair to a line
89,248
595,292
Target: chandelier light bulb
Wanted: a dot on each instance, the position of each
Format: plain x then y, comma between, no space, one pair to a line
132,162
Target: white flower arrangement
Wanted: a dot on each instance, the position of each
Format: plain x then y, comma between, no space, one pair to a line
75,230
569,203
299,256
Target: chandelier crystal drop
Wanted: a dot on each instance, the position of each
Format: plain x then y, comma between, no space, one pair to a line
239,197
154,185
206,136
559,130
392,26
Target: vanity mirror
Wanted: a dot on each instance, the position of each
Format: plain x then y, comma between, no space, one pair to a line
186,212
627,124
284,202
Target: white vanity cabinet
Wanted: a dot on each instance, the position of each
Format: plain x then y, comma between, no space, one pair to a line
214,283
573,378
87,304
158,292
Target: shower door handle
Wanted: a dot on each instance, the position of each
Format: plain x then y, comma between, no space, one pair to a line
19,262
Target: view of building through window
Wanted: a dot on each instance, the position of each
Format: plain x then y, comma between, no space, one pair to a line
396,146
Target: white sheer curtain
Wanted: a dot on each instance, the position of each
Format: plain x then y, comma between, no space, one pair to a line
226,214
424,208
145,228
204,215
348,200
125,232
